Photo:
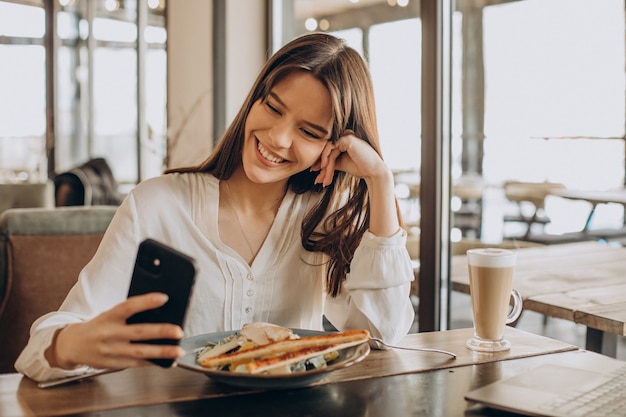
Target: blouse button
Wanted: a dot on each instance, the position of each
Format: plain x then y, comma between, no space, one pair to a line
248,310
250,293
250,277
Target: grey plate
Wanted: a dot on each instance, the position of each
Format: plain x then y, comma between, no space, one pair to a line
346,357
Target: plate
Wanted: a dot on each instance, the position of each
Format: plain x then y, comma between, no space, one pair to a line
347,357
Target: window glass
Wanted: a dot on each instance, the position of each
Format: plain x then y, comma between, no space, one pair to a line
22,113
22,85
354,38
552,80
70,127
96,87
390,41
157,35
67,25
72,89
22,94
571,87
21,20
105,29
537,95
115,110
555,113
154,146
397,77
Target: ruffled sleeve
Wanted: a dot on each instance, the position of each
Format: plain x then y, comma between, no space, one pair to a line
375,295
380,262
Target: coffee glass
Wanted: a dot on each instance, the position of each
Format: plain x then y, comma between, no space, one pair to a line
491,290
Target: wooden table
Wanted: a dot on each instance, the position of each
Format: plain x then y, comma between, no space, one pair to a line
581,282
389,383
596,198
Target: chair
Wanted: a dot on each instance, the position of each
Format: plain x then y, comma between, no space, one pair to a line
92,183
532,194
467,211
24,195
41,253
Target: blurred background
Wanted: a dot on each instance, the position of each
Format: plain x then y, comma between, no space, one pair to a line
531,101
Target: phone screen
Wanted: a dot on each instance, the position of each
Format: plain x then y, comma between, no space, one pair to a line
160,268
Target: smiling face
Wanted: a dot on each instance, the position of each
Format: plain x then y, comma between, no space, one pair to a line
286,132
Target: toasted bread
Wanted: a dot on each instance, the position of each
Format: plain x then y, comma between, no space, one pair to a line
291,350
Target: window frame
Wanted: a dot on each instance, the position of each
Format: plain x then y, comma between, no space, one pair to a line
52,42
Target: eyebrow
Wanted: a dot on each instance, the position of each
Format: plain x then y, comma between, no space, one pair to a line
313,125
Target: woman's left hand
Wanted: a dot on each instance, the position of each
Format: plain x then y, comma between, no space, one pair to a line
352,155
356,157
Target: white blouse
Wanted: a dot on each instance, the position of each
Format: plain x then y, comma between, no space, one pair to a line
284,285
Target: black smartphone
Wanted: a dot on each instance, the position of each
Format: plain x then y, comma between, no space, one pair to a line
160,268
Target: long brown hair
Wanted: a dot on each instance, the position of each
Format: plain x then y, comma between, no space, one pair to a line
344,72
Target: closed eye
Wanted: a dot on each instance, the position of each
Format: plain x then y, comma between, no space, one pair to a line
310,134
272,108
317,132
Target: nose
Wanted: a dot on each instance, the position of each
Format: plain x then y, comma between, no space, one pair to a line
280,135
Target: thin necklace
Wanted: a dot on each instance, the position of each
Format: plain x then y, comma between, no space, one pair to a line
243,234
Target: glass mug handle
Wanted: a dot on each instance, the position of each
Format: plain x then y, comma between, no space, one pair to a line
517,307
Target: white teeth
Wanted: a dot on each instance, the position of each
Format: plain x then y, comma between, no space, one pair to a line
267,155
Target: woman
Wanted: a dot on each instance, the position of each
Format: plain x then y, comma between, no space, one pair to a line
291,218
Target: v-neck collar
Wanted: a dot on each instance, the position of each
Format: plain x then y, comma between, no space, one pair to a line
207,220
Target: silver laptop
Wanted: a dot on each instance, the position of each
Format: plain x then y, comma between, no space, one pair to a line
588,386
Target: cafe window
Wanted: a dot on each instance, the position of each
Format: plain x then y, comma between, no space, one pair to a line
388,34
373,28
554,105
538,98
537,94
22,92
109,87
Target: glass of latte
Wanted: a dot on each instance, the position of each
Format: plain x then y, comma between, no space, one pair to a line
491,291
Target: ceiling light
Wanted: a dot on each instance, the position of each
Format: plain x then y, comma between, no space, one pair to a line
310,24
111,5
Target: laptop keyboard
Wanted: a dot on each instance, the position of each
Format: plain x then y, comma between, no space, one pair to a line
608,399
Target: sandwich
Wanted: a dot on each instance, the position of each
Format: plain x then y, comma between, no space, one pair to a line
278,351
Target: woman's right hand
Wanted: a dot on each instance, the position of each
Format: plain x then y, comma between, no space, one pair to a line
105,341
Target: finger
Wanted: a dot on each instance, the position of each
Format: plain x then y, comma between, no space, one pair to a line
139,303
124,354
133,355
150,331
347,133
316,166
330,168
344,142
117,363
319,178
144,351
326,152
322,162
